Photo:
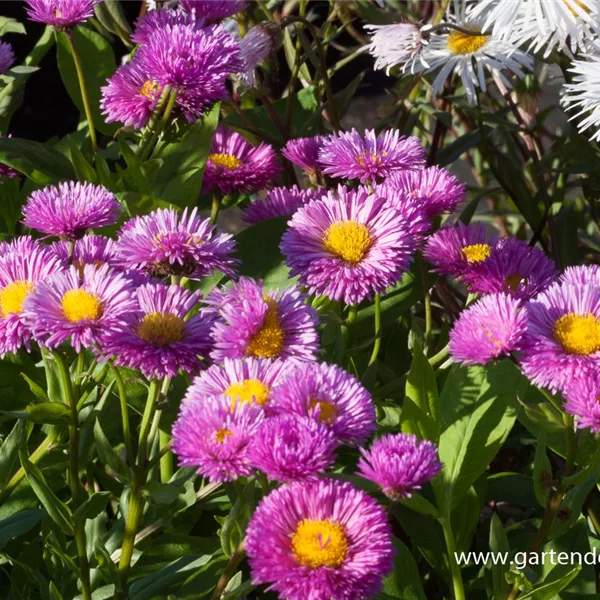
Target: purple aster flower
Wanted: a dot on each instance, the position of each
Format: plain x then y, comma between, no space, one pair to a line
582,275
94,250
260,41
319,540
215,438
513,267
235,165
562,340
166,242
417,221
61,14
155,20
23,264
304,152
329,395
131,96
293,448
78,309
279,202
158,338
582,401
491,328
70,209
454,249
436,189
370,158
214,10
399,464
248,380
348,246
195,61
7,57
264,324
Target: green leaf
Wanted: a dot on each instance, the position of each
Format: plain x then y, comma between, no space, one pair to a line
110,14
547,590
542,472
9,451
9,25
98,63
16,525
93,506
420,414
404,581
107,453
83,169
453,151
162,493
499,544
49,412
419,504
40,162
59,512
37,390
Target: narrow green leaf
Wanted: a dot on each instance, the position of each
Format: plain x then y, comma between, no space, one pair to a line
16,525
547,590
9,451
83,169
107,453
110,14
499,544
10,25
93,506
404,582
53,413
37,390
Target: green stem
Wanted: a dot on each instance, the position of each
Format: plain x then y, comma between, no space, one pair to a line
84,95
215,208
377,344
164,439
228,572
352,315
427,304
457,582
160,125
124,412
146,426
440,356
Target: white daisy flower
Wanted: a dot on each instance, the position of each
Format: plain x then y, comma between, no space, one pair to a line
548,24
470,55
583,94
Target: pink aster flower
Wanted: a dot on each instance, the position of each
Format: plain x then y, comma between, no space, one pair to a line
304,152
329,395
155,20
23,264
235,165
370,158
61,14
491,328
247,380
214,10
215,438
78,309
251,321
7,57
562,340
279,202
70,209
434,188
399,464
513,267
256,46
293,448
348,245
94,250
319,540
582,401
582,275
159,337
165,242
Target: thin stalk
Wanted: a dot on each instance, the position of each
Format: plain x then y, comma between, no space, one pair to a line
427,304
440,356
228,572
457,582
146,426
215,208
84,95
160,125
377,331
124,413
164,440
352,314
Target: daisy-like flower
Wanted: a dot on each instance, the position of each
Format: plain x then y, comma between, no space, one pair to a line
411,210
7,57
256,46
582,94
279,202
69,209
155,20
455,249
562,340
304,152
78,308
493,327
582,401
213,10
253,322
248,380
215,438
131,96
94,250
513,267
23,264
470,55
582,275
165,242
61,14
543,23
319,540
329,395
293,448
195,61
435,189
394,45
399,464
235,165
348,245
370,157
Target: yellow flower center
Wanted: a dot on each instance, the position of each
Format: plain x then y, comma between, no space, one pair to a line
268,341
227,161
578,3
348,240
221,435
13,296
161,329
150,89
79,305
578,334
247,392
512,283
477,252
327,411
463,43
319,544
